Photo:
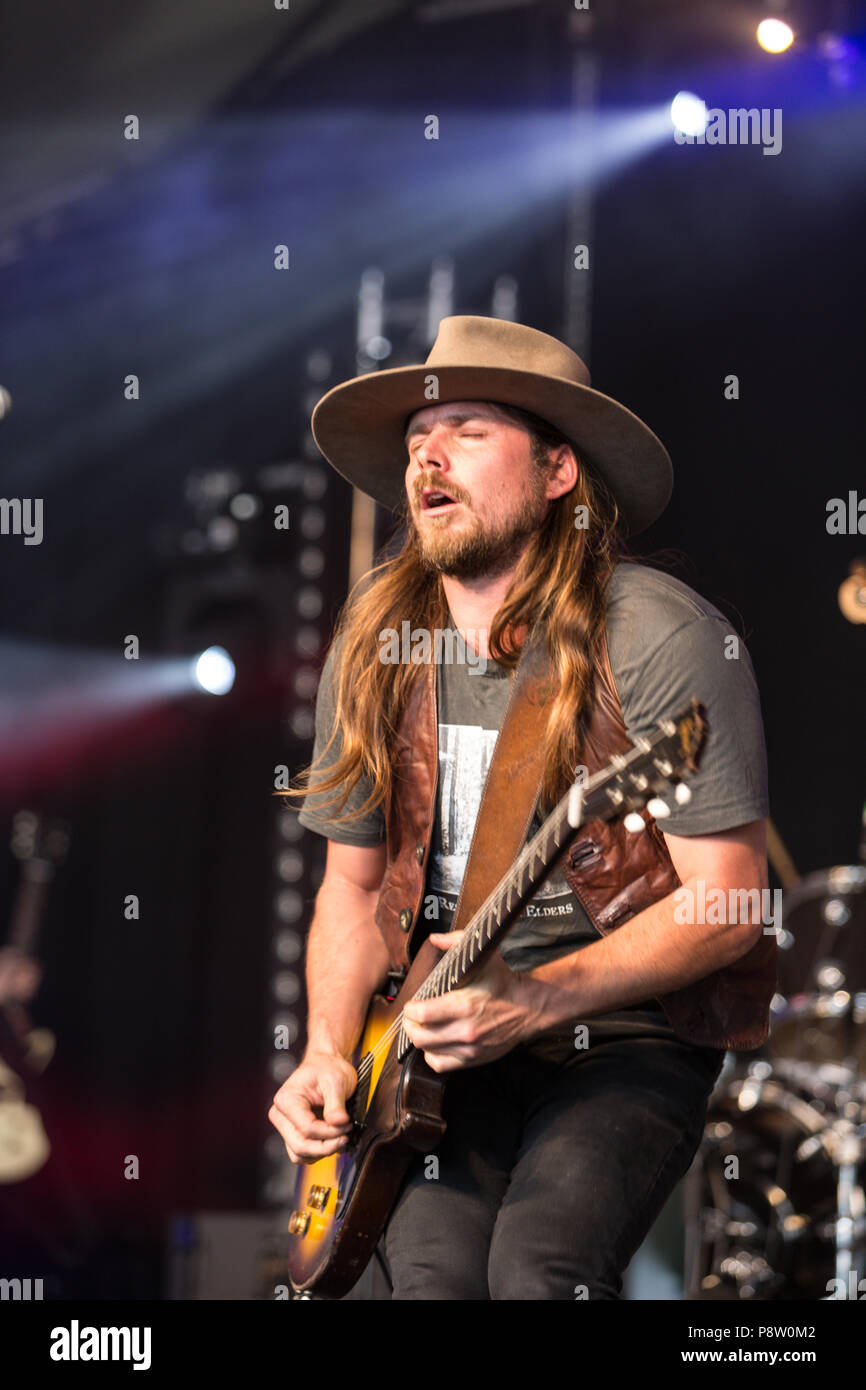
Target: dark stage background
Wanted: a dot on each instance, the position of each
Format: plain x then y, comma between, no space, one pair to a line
155,257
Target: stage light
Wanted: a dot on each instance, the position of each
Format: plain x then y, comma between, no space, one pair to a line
214,671
290,865
222,533
378,347
775,35
286,986
276,1189
288,946
302,725
311,562
288,905
289,826
313,523
305,683
689,113
244,506
309,602
840,55
318,364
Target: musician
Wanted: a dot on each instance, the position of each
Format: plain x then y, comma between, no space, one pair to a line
581,1058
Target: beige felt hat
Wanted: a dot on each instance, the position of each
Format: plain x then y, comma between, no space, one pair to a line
360,424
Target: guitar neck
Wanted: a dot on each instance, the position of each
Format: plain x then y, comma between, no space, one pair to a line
23,933
29,906
498,913
628,782
40,846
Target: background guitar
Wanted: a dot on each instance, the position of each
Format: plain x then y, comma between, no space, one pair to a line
40,846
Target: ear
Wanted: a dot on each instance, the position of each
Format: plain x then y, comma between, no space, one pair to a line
562,471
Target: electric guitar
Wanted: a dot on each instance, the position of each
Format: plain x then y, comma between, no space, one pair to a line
342,1202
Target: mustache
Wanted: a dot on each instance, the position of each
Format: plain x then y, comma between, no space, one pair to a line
450,491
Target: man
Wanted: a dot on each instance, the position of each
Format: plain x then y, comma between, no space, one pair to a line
581,1058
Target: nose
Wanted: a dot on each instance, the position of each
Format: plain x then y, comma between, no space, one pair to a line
431,451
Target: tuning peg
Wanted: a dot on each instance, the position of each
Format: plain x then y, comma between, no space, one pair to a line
658,808
634,822
682,794
575,804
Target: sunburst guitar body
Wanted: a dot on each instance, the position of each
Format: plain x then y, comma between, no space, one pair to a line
396,1109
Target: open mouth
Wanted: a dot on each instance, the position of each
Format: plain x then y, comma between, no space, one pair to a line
434,500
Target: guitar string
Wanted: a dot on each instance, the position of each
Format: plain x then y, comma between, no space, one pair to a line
368,1060
554,826
527,854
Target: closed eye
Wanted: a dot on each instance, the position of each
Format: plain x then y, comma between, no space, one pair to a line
464,434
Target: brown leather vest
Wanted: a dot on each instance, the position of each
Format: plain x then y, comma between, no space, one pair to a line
614,874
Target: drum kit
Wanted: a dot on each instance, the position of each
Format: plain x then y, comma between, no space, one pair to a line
775,1198
775,1205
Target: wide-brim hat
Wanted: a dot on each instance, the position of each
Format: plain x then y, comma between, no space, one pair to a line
360,424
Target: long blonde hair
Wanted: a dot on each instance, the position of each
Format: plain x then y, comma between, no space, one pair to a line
560,583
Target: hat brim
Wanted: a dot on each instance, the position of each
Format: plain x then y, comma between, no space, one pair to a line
360,426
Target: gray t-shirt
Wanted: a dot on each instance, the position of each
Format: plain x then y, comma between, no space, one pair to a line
666,644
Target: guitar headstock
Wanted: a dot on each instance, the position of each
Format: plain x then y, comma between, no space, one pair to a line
36,838
680,741
655,767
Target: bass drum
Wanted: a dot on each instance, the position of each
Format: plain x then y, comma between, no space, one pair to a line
761,1194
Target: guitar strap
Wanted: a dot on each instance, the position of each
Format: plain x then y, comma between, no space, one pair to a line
513,782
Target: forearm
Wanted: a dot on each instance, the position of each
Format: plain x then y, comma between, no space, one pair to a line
648,956
347,962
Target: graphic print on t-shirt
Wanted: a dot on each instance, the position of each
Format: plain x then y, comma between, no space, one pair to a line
465,753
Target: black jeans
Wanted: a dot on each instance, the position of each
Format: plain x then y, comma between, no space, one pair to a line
550,1173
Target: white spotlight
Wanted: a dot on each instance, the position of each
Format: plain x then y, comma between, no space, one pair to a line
775,35
214,671
689,113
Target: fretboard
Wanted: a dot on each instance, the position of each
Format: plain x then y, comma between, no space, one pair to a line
499,911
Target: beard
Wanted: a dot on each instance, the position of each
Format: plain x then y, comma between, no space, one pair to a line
471,551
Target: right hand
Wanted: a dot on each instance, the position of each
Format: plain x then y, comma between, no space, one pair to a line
309,1109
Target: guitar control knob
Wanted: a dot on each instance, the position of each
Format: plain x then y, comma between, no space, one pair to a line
299,1223
318,1197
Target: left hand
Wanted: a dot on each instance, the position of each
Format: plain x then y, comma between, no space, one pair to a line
476,1024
